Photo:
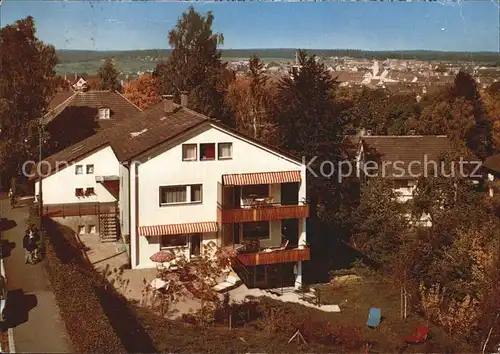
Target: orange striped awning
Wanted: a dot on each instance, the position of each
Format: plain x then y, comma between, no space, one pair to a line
177,229
261,178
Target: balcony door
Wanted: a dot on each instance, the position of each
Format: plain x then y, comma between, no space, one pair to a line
195,246
289,193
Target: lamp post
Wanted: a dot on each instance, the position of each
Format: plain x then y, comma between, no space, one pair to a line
40,200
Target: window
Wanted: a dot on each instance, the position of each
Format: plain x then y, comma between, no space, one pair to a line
225,151
78,170
256,230
104,113
81,229
189,152
92,229
173,241
79,192
181,194
170,195
196,193
90,169
207,151
89,191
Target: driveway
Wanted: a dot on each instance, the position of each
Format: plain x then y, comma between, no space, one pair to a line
31,305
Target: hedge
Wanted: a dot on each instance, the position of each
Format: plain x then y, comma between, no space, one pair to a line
75,290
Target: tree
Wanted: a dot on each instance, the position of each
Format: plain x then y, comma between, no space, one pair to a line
108,75
369,111
250,98
312,127
193,280
195,65
458,111
454,119
380,222
27,84
142,91
491,99
479,139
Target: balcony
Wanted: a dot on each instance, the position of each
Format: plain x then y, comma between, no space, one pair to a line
263,211
78,209
274,257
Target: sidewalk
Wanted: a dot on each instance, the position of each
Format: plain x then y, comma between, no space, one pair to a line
37,325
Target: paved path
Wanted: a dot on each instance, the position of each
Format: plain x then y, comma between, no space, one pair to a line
37,325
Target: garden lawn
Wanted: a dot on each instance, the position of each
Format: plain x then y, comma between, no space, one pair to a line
356,297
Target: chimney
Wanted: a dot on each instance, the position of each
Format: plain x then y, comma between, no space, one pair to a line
168,101
184,98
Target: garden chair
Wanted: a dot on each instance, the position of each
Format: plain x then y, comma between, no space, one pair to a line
374,317
420,336
231,282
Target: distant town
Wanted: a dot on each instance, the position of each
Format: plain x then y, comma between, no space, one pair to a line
405,71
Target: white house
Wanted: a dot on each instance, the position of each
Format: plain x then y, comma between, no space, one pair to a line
177,180
402,160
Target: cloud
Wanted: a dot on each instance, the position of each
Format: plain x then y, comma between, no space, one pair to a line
113,20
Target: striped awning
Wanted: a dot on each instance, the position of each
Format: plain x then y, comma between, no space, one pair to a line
177,229
261,178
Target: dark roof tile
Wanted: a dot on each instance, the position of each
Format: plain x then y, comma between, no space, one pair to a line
405,149
121,108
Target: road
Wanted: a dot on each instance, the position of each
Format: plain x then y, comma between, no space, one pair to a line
31,305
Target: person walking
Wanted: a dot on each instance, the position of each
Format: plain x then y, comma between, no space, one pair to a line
29,246
12,198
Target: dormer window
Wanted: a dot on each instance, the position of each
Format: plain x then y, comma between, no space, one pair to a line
103,113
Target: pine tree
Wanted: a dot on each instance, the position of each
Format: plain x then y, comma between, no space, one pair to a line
108,75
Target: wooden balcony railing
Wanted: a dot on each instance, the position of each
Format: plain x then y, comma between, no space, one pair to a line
264,212
78,209
274,257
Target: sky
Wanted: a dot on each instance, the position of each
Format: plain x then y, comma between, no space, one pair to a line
468,26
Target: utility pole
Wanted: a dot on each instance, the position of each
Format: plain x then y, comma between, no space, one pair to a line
40,200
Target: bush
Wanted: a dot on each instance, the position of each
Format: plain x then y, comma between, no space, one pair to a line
97,318
86,323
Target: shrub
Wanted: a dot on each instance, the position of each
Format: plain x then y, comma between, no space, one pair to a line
87,324
97,317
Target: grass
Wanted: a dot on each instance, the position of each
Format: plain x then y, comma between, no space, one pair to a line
174,336
356,297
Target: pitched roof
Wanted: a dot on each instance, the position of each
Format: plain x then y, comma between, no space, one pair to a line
59,98
121,108
140,133
133,136
405,149
493,163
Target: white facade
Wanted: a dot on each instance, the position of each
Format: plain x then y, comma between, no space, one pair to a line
140,182
59,188
169,169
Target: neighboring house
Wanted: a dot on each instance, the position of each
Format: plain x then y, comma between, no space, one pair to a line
80,84
491,168
74,116
402,160
173,179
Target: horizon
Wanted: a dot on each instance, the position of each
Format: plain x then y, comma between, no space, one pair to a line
366,26
277,48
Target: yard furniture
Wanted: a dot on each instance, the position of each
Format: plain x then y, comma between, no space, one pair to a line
162,257
420,336
232,281
281,247
374,317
